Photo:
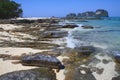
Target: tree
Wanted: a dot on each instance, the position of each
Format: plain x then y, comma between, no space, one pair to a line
10,9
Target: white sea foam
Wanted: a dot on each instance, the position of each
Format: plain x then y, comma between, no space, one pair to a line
71,42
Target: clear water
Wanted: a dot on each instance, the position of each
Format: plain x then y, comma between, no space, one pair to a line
106,34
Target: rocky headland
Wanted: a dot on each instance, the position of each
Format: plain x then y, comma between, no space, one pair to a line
98,14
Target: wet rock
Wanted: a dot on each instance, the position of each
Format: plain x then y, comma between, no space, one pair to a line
84,50
87,27
100,71
1,29
41,60
70,26
105,61
117,58
80,76
116,78
53,34
34,74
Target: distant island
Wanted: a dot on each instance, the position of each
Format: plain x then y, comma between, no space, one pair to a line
88,14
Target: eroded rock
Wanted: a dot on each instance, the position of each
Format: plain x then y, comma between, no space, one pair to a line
34,74
70,26
41,60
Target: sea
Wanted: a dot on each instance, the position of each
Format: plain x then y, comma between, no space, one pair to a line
105,35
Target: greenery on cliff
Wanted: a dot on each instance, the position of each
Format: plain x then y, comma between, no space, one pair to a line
10,9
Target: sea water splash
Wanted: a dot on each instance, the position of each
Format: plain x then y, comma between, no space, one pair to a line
71,42
75,35
104,35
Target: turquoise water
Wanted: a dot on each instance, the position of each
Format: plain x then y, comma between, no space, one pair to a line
106,34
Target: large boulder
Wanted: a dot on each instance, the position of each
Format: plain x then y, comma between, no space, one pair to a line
101,13
42,60
34,74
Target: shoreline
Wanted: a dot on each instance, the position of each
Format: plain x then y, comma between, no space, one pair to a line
52,41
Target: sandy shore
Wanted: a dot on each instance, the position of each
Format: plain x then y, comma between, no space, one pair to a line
7,66
61,75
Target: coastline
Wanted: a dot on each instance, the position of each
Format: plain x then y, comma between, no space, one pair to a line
52,41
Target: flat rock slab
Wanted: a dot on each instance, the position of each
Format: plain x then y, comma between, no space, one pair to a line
83,74
34,74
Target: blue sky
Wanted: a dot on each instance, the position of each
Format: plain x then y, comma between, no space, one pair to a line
59,8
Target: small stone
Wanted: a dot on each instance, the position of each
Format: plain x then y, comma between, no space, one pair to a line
105,61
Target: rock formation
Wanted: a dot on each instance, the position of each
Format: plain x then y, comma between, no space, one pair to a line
88,14
33,74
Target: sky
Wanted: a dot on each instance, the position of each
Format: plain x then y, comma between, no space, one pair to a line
59,8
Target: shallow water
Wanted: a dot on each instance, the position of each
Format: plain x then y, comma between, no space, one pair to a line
104,35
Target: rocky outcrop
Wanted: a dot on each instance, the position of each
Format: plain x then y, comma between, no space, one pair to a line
40,60
101,13
34,74
89,14
83,73
70,26
116,78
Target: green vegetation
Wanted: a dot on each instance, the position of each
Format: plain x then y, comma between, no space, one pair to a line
10,9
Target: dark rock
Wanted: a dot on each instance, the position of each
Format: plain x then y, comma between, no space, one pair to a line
117,58
105,61
100,71
22,21
42,60
1,29
34,74
116,78
53,34
4,55
70,26
86,76
84,50
101,13
87,27
47,20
